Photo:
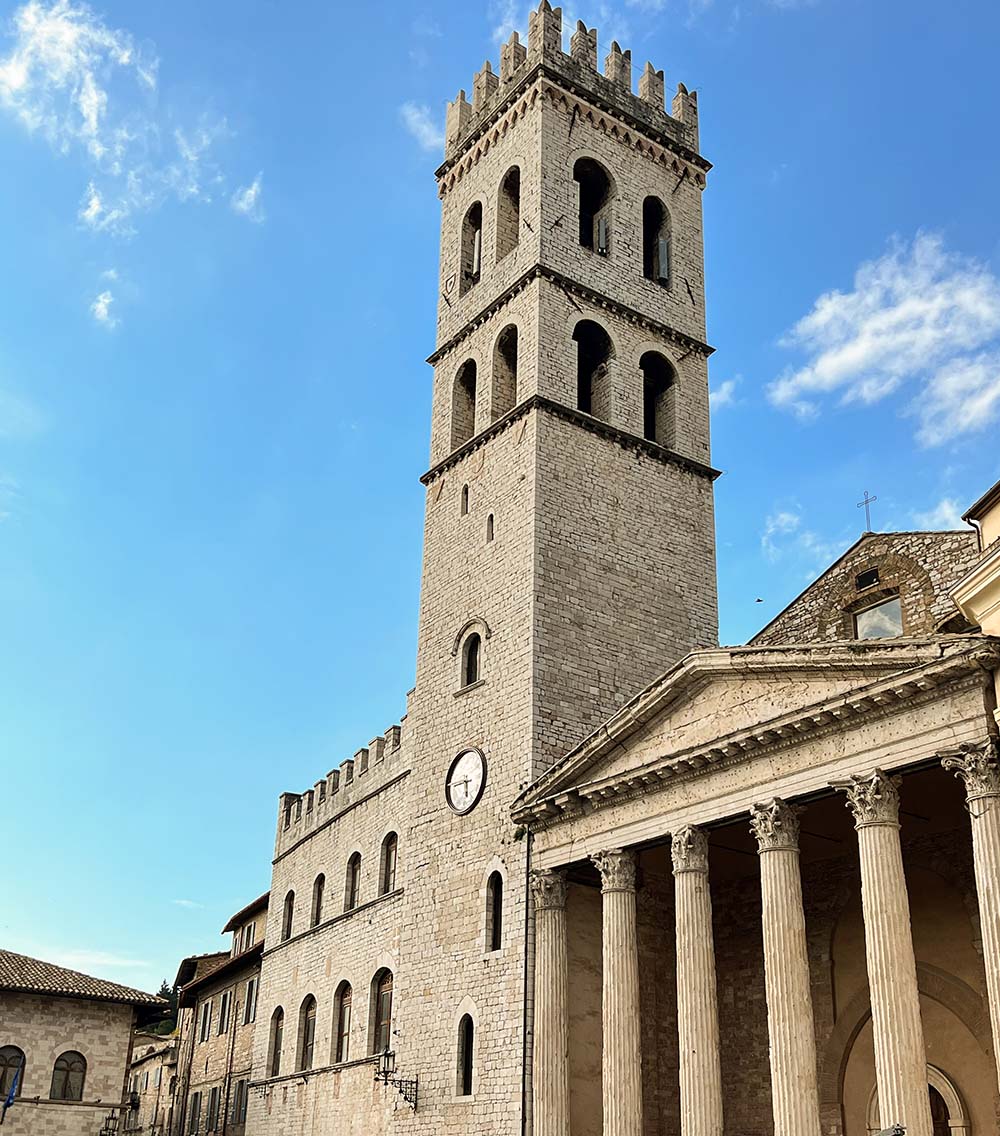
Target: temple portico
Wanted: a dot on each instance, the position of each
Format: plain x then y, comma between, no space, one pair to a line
816,958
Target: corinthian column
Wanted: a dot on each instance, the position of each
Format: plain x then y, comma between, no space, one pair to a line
697,1004
621,1063
790,1028
900,1057
979,768
550,1067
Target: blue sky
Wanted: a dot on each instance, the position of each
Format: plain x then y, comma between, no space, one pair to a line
214,410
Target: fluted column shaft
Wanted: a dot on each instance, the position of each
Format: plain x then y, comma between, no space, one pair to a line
697,999
621,1063
979,768
790,1026
550,1068
900,1056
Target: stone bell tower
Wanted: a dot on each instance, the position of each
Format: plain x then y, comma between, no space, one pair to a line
569,535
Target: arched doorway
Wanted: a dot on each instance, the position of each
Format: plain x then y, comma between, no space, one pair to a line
948,1113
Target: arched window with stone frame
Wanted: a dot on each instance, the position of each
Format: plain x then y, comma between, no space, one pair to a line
387,864
656,241
659,399
287,915
466,1056
594,355
504,372
463,404
494,912
319,887
595,193
471,659
352,882
68,1076
380,1029
305,1049
342,1023
275,1042
12,1065
509,212
472,247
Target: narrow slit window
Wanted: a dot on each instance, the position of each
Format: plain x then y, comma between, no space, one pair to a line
342,1024
494,912
472,247
319,887
387,873
656,241
470,659
489,529
465,500
352,885
466,1047
287,914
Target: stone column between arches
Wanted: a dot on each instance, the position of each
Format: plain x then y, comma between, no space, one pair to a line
621,1062
900,1055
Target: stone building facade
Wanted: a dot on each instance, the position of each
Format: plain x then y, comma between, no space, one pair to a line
606,877
217,1013
70,1035
152,1084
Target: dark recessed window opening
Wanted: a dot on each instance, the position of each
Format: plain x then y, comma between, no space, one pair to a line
470,660
494,912
505,372
472,247
509,213
655,241
594,197
594,353
658,389
866,579
466,1038
489,528
463,404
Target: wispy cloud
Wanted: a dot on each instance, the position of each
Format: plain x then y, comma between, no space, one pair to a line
90,90
188,904
100,309
86,960
917,315
246,200
422,125
777,525
946,514
784,533
724,394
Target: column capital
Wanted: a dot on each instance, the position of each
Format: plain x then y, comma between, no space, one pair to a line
617,868
873,799
979,767
548,888
689,849
775,826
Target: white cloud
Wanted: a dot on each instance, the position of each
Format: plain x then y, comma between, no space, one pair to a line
724,394
100,309
946,514
418,121
246,200
87,960
189,904
777,524
784,534
919,314
89,90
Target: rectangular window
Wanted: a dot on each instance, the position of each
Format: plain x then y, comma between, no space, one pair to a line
248,936
212,1119
195,1125
866,579
158,1076
240,1097
224,1002
145,1080
250,1006
883,621
205,1028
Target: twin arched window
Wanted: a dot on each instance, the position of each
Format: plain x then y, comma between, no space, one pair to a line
352,884
317,904
387,865
287,913
68,1076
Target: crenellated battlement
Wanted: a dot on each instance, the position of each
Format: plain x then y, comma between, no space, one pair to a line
579,68
356,777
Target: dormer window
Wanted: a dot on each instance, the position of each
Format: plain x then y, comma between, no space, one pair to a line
880,621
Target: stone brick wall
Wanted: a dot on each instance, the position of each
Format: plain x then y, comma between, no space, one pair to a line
44,1028
152,1078
919,567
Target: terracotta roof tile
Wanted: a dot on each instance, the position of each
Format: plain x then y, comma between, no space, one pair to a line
34,976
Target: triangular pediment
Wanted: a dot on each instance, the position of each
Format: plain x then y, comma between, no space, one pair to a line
717,703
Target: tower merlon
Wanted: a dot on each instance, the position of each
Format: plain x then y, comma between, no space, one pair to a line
578,70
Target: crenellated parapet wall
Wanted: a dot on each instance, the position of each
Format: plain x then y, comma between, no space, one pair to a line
578,69
372,767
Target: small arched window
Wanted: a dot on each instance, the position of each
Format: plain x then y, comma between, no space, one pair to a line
509,213
387,867
472,247
471,651
11,1067
287,914
317,905
656,241
594,197
307,1033
463,404
658,410
352,885
465,500
342,1023
494,912
489,528
275,1043
68,1075
466,1048
594,353
381,1033
505,372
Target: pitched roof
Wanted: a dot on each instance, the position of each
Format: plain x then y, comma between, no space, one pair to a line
241,916
196,966
34,976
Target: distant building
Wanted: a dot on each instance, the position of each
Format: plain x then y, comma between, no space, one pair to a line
152,1083
71,1035
217,1007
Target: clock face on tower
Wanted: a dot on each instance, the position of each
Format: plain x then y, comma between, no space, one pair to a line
465,781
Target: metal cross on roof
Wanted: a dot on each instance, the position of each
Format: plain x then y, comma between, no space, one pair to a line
866,504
